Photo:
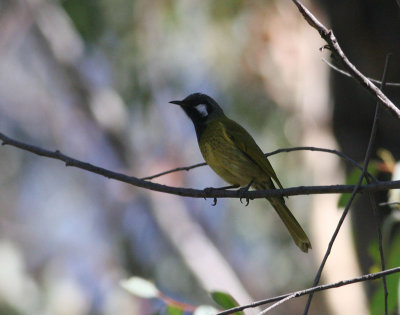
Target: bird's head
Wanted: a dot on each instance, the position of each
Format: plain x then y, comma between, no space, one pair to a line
200,108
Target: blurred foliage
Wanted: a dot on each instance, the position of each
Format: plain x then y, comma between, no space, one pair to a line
145,289
227,9
87,17
173,310
140,287
393,281
8,310
354,177
225,300
391,244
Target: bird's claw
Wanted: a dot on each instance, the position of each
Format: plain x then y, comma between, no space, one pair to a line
247,201
242,191
208,190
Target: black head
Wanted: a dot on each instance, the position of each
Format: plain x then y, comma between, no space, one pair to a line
201,109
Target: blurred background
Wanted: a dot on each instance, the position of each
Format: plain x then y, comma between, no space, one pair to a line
93,79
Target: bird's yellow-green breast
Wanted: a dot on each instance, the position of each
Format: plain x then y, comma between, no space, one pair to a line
233,154
223,155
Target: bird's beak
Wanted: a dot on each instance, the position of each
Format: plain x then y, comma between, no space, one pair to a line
180,103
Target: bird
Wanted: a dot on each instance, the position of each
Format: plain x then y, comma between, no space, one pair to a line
233,154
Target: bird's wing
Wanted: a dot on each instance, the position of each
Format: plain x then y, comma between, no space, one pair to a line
246,144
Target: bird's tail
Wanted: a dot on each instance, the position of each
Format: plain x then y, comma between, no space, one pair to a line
294,228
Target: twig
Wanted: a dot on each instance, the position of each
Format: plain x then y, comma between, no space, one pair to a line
378,223
347,208
330,38
349,75
196,193
372,197
333,238
367,277
340,154
394,203
275,305
183,168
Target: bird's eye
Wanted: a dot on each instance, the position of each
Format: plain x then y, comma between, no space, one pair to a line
202,109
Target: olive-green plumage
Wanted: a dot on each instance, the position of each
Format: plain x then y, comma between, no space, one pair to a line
234,155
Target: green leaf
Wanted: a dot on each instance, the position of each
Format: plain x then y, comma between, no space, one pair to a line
205,310
140,287
173,310
225,300
87,17
393,281
353,178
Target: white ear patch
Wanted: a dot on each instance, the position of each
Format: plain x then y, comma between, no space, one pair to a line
202,109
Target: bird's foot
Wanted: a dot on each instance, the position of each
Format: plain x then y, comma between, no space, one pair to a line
242,191
208,190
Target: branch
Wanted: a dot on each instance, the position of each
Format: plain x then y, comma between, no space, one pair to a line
356,188
330,38
350,76
378,220
340,154
367,277
183,168
196,193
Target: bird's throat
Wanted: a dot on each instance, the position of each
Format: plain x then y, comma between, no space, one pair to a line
199,121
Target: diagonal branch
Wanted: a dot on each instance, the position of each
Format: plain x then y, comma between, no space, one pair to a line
373,200
356,188
330,38
330,64
367,277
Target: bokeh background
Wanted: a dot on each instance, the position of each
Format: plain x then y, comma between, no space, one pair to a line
93,79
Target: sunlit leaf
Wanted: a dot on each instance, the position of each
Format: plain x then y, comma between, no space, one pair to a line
140,287
225,300
205,310
173,310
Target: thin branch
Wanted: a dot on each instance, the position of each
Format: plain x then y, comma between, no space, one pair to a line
340,154
349,75
394,203
197,193
378,223
350,201
333,238
373,200
183,168
367,277
275,305
330,38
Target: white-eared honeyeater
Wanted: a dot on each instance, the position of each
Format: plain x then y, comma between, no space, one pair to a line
234,155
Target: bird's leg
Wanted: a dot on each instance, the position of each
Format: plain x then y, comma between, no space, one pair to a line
210,189
243,190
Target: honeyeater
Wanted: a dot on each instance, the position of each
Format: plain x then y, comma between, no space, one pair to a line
234,155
